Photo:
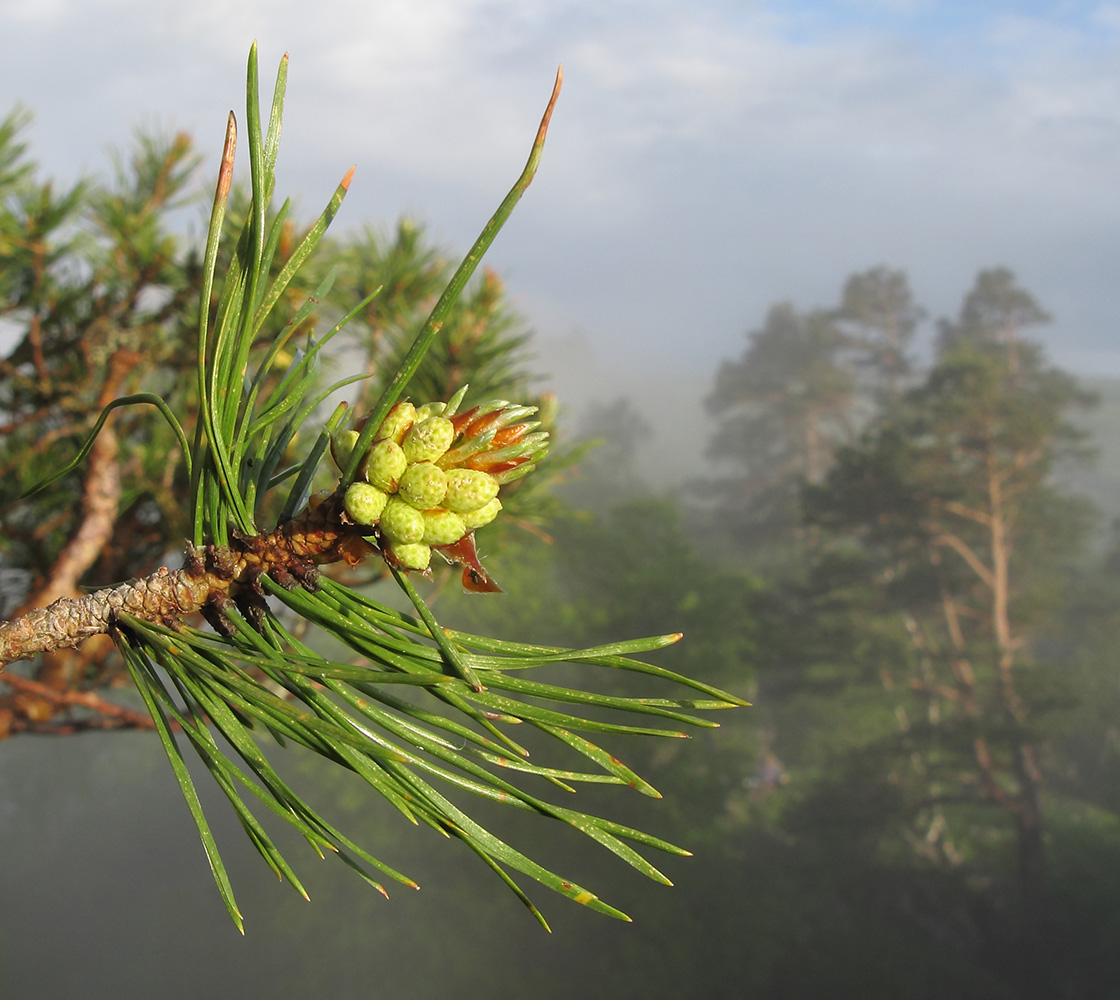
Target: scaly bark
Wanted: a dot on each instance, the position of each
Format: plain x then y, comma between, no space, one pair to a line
211,577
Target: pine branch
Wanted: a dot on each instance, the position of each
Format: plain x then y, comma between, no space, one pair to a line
211,577
413,480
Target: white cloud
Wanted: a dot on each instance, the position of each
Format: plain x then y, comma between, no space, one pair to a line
40,14
705,159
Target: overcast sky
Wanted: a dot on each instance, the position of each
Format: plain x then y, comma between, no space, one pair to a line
706,159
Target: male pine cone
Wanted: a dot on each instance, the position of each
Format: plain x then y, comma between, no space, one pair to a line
430,478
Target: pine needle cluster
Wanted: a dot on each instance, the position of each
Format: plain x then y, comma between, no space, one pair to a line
421,713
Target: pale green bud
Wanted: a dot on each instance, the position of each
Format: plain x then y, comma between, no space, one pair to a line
469,489
342,447
411,555
423,485
401,523
364,503
442,527
397,422
512,475
428,439
484,515
451,407
465,449
531,444
385,463
434,409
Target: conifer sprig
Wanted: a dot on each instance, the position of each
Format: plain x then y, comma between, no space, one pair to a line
423,714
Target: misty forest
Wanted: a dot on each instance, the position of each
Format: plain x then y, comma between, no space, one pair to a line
898,547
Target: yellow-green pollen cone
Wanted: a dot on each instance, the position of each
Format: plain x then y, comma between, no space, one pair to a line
469,489
426,410
412,555
428,439
442,527
483,516
395,426
342,447
364,503
384,465
423,485
401,522
432,476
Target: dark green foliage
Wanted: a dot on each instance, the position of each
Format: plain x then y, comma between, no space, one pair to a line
933,712
93,281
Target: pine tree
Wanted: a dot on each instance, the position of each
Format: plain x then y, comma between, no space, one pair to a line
964,536
878,314
782,408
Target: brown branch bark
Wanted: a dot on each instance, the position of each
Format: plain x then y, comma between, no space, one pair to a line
163,596
1024,803
975,563
979,516
211,576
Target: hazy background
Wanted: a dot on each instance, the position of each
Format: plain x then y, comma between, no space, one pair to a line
706,158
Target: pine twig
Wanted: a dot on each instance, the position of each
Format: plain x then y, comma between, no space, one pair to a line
210,577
